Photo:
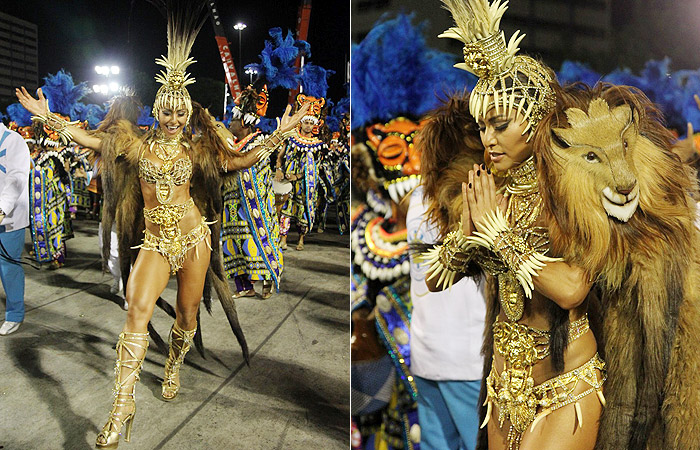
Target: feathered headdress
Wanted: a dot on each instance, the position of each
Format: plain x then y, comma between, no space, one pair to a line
185,19
277,59
506,80
393,46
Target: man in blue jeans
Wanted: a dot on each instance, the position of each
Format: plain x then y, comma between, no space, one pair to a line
14,219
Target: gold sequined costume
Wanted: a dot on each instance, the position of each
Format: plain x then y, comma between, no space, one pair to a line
174,171
513,246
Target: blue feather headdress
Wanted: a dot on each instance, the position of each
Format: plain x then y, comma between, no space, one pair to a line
672,92
314,80
62,93
395,73
277,60
145,118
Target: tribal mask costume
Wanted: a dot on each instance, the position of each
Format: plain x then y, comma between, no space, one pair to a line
250,229
386,111
250,106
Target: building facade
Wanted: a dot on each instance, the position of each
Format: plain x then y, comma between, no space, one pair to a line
19,57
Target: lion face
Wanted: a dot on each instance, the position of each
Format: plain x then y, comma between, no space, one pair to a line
597,156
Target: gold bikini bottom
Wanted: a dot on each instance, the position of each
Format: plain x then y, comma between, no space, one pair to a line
522,402
171,243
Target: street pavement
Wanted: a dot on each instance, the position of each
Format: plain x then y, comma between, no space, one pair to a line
56,372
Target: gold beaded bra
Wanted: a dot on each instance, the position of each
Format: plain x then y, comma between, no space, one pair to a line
173,172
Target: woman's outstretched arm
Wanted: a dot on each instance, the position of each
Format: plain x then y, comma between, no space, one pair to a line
39,107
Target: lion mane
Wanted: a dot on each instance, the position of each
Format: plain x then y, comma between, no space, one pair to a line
645,271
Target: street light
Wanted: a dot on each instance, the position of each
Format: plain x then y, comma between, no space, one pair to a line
110,85
240,26
250,71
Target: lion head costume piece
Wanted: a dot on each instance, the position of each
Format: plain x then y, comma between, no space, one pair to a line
620,207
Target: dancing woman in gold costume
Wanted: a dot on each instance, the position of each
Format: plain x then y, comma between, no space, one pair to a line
177,238
544,378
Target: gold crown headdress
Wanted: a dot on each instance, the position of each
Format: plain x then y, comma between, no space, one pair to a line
505,79
185,19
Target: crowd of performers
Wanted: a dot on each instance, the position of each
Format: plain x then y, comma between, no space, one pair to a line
568,205
184,194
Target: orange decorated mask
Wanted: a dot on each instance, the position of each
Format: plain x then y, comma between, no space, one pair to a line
394,146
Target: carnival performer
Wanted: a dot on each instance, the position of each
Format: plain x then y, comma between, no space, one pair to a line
250,227
328,175
57,178
177,239
542,359
297,162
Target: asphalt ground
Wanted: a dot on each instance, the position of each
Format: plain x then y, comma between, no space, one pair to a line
56,371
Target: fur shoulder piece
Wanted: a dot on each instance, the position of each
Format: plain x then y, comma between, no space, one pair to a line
122,138
619,206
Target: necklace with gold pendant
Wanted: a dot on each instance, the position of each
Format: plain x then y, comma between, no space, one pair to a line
166,150
524,208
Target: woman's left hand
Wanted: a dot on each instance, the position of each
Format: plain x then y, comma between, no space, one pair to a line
481,194
289,121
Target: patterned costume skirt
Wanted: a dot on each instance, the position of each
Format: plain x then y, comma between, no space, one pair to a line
48,221
304,196
250,229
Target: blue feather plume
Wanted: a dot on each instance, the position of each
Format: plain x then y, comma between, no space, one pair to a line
672,92
62,92
314,80
277,60
267,125
19,115
395,73
145,116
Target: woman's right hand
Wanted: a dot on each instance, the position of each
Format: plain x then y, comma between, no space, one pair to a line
31,104
279,175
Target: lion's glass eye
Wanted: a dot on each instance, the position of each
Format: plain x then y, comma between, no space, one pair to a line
591,157
624,143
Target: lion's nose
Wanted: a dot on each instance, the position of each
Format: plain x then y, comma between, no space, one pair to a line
626,190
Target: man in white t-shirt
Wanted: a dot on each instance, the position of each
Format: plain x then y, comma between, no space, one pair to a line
446,335
14,219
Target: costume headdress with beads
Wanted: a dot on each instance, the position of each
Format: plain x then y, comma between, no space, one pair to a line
506,80
185,19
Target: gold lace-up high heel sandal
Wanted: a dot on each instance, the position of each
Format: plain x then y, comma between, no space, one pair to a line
131,350
180,343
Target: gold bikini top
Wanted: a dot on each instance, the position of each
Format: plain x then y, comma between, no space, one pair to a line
180,171
173,172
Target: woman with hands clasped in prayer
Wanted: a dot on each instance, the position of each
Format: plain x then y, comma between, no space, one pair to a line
177,237
542,366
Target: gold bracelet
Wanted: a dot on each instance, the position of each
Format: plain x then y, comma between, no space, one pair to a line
450,258
56,123
512,249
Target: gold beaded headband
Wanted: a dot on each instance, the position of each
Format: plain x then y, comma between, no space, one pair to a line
506,80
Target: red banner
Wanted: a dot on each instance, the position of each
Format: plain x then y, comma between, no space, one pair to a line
229,68
302,34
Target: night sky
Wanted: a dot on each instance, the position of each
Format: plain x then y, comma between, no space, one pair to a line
77,35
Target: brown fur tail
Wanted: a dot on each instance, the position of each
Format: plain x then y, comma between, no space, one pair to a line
224,293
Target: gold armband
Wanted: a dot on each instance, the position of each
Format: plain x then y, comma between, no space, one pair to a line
450,258
56,123
513,250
